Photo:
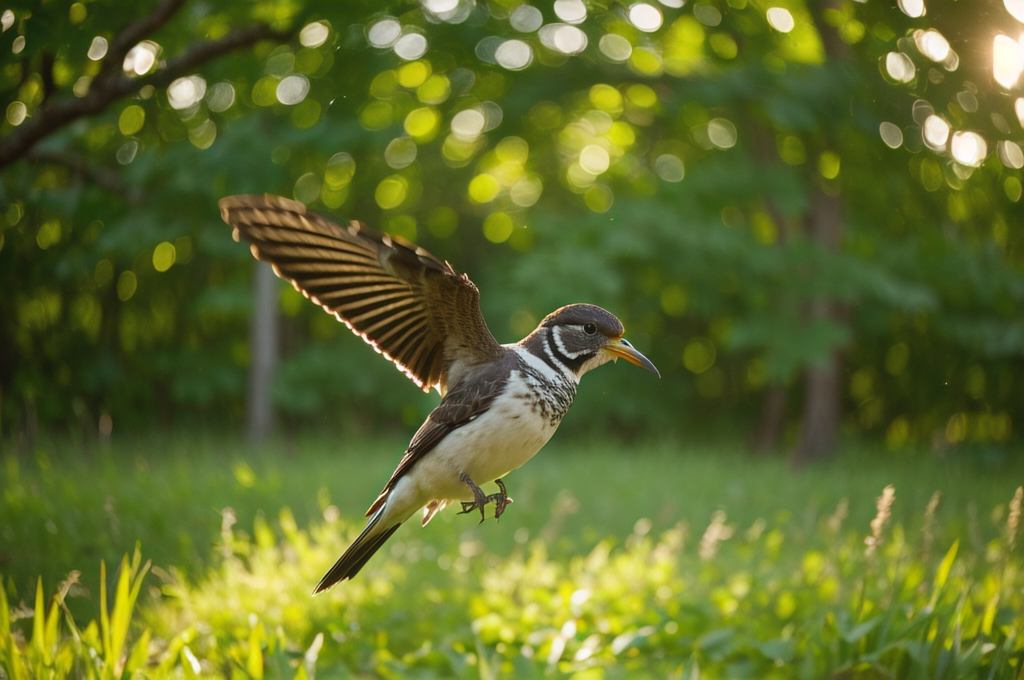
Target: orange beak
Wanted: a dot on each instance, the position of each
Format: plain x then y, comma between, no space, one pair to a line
621,348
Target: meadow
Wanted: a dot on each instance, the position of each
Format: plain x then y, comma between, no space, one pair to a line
191,556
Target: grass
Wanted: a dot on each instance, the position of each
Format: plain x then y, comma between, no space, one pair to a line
615,561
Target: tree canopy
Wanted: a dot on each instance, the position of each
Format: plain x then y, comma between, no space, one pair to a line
806,212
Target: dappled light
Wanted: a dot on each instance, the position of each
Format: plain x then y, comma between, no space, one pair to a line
805,213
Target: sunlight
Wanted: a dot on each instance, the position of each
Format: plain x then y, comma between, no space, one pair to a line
900,67
1007,60
932,44
526,18
645,17
98,48
141,59
515,55
384,33
936,132
968,148
913,8
184,92
781,19
1015,8
891,135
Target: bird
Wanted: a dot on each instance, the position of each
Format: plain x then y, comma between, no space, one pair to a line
500,403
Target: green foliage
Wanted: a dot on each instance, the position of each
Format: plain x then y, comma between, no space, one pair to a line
721,133
672,562
768,600
97,651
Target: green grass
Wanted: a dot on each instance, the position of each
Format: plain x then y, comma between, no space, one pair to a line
596,570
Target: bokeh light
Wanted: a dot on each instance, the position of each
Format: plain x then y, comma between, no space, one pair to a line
468,124
968,148
141,59
594,159
1015,8
932,44
1010,154
314,34
185,92
220,97
563,38
709,15
400,152
292,89
669,167
16,113
391,192
411,46
780,19
98,48
615,47
722,133
1007,60
912,8
570,11
384,33
645,17
526,18
515,55
936,132
163,256
131,119
891,135
900,67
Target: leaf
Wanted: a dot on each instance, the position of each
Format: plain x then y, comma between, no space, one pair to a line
254,659
943,571
779,649
858,632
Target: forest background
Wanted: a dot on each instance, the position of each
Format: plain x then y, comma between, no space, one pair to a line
806,212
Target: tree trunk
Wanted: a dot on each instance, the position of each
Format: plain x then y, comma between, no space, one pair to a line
823,382
823,396
768,434
263,350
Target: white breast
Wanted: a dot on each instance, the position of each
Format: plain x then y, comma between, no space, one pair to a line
492,445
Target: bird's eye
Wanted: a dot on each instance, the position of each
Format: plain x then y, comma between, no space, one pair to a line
589,329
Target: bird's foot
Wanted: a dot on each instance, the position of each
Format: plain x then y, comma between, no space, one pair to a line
479,499
501,499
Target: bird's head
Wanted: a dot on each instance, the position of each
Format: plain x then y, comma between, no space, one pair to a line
586,336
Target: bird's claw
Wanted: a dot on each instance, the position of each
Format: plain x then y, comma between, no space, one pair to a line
501,499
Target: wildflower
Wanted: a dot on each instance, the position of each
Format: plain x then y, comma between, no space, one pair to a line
716,532
884,509
836,519
1013,520
929,521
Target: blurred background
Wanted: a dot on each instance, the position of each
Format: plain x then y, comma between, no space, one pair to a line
806,213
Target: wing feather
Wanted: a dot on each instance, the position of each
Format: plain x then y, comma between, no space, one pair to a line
412,307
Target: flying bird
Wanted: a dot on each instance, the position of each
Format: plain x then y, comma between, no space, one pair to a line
499,403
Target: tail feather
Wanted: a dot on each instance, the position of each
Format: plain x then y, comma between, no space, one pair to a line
357,554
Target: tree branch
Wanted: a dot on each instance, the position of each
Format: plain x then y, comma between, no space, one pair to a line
95,174
104,91
133,33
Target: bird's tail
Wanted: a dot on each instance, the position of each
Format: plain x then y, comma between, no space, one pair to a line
361,550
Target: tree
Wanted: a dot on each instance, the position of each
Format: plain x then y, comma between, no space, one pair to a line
722,174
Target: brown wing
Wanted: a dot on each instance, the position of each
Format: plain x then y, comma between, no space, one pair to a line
412,307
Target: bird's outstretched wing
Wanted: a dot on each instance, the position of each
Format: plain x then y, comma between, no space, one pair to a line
412,307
